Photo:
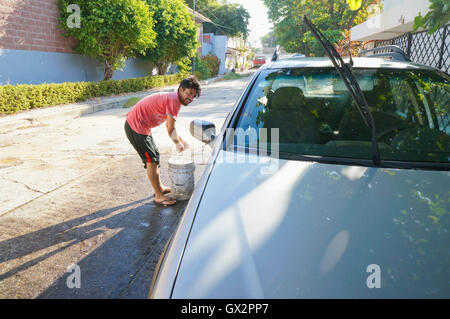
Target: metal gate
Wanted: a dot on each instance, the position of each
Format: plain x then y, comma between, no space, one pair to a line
429,49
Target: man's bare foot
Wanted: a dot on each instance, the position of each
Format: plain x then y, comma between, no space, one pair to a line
165,190
164,201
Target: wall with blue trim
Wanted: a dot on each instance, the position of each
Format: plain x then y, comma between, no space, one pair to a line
35,67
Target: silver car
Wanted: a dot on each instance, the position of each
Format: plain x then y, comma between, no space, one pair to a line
292,204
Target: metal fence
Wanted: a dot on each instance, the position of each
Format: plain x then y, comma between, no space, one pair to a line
429,49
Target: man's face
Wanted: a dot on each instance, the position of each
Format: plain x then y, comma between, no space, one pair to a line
186,96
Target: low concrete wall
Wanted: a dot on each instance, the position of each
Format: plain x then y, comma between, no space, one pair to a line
37,67
217,47
207,48
220,48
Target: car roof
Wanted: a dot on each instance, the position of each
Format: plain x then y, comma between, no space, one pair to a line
299,62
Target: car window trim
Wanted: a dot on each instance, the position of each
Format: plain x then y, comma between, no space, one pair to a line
238,111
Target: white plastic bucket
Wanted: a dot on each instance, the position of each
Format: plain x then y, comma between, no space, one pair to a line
181,175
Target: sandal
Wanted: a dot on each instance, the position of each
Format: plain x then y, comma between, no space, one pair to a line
165,202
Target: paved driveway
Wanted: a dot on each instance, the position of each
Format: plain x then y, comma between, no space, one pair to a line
75,193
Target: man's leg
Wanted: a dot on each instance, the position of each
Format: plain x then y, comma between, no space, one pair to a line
147,150
155,179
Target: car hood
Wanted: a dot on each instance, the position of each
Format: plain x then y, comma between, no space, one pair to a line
268,228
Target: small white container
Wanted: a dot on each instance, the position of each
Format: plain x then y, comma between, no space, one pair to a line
181,175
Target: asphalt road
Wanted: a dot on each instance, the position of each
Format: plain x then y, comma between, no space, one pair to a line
77,194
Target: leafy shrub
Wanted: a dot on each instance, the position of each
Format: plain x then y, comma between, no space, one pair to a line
14,98
111,30
206,66
202,71
213,64
184,66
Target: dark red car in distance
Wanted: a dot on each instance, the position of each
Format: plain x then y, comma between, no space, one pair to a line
258,61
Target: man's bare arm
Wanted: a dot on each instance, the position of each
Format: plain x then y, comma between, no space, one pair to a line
173,134
171,130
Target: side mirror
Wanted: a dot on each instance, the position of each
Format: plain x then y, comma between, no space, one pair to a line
203,130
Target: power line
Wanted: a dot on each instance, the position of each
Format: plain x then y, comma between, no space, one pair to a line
217,25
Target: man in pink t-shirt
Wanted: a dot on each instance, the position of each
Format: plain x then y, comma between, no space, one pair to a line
150,112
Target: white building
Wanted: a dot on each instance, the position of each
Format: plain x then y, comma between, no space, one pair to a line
225,48
395,19
393,25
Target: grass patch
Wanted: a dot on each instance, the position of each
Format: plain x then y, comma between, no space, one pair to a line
131,102
233,76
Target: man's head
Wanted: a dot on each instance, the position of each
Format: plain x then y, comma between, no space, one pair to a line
189,89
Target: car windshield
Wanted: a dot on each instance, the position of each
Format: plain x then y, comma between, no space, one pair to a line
316,115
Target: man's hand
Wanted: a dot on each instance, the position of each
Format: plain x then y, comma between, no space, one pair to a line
185,144
180,147
180,144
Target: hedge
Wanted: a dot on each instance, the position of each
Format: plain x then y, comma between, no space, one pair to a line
14,98
206,66
213,64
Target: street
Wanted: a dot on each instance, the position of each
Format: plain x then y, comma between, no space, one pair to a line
76,193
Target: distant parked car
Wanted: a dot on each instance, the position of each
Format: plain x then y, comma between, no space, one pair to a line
258,61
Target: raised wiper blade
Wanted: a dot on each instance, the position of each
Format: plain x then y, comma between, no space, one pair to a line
351,83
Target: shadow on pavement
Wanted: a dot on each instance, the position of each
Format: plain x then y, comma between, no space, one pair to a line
134,240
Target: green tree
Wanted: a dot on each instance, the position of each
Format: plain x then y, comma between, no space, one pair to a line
190,3
332,17
228,18
354,4
251,54
176,34
437,17
110,30
269,40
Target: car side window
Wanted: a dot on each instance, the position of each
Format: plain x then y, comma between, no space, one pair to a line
438,96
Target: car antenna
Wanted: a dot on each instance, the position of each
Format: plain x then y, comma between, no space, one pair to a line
276,54
352,85
350,52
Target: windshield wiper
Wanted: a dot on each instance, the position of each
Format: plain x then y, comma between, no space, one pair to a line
351,83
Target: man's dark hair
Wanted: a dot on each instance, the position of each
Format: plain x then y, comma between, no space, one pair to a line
191,82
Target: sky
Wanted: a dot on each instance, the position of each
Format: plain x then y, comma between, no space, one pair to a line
259,22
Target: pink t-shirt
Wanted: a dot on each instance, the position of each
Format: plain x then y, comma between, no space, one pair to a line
152,111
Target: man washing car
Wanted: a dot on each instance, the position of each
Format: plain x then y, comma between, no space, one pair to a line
150,112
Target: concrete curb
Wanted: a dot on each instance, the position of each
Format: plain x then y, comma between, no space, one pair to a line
61,113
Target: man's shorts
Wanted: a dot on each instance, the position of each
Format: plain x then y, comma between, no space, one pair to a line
144,145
